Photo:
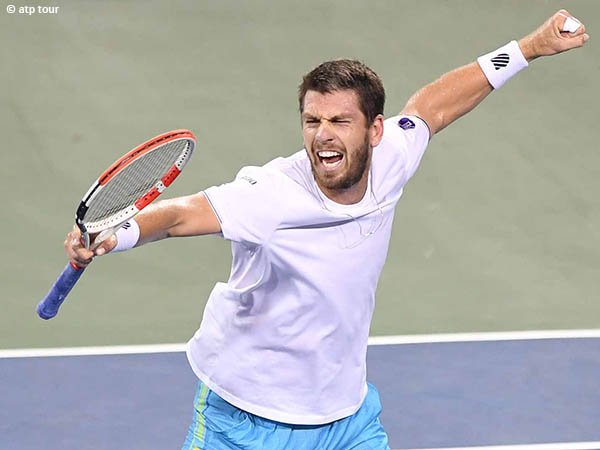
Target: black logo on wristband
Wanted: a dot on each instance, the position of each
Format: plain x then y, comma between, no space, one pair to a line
500,60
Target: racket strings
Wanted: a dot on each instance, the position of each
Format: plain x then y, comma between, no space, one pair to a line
132,182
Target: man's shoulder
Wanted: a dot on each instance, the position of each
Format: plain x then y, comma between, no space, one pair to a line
402,135
404,129
286,163
283,176
294,169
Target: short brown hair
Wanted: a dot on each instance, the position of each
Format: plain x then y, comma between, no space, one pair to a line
346,74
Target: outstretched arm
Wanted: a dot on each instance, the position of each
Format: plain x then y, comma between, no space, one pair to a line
184,216
457,92
178,217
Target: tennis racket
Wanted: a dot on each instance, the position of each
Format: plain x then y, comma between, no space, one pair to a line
124,189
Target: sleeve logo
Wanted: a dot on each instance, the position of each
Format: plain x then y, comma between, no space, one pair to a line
406,124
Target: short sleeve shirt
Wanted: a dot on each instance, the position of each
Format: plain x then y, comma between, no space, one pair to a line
286,336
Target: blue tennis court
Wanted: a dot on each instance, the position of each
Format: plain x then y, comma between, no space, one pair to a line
504,389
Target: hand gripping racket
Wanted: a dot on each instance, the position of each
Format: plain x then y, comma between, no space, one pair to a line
123,190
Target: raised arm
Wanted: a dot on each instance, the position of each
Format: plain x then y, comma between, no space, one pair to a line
184,216
457,92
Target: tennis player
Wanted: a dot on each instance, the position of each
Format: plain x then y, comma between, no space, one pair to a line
281,350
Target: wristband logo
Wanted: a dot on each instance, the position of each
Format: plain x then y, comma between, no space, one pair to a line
501,60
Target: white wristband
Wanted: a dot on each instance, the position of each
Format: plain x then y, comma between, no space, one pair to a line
127,236
500,65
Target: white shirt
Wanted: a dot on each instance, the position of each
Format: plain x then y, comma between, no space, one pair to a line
286,337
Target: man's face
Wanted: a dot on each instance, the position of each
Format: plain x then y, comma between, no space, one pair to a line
339,143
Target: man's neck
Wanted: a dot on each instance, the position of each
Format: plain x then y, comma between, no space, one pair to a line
350,196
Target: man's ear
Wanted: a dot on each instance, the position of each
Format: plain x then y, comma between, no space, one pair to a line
376,130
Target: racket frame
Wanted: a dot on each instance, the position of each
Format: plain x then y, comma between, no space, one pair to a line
109,225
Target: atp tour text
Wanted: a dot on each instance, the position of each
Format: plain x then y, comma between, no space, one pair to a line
31,10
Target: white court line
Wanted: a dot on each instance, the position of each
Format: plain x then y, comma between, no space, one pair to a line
553,446
373,340
92,351
482,337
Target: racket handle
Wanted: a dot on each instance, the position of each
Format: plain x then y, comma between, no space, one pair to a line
48,307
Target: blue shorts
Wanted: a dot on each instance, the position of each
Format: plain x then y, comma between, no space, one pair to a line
218,425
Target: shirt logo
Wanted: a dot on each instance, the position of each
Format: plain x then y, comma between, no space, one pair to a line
406,124
500,61
248,179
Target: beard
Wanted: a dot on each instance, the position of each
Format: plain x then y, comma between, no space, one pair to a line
352,175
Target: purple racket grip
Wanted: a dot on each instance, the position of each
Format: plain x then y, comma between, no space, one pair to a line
48,307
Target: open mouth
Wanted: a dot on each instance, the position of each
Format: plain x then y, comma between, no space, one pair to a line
330,158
